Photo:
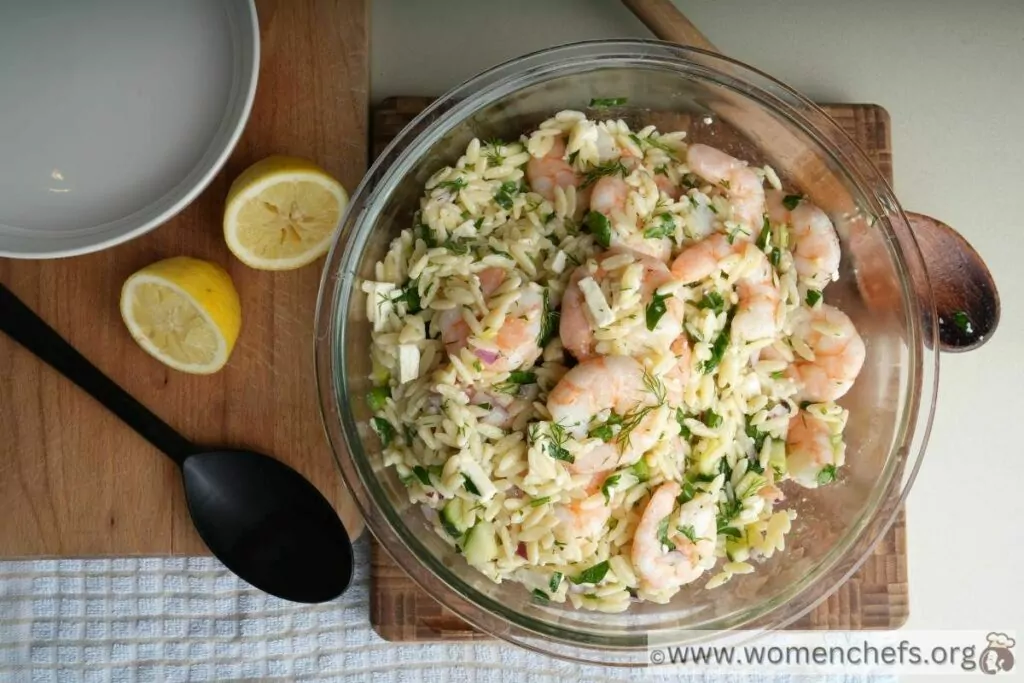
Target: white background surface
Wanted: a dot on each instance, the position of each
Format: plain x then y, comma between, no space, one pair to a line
951,74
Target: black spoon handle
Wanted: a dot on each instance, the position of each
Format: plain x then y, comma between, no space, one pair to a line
28,329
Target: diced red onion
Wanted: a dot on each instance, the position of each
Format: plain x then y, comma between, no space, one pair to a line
486,356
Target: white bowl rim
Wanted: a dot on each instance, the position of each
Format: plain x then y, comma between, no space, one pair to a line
186,190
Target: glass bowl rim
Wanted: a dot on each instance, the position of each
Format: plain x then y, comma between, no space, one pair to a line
337,288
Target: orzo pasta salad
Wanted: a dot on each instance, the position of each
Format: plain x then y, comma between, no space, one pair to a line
600,353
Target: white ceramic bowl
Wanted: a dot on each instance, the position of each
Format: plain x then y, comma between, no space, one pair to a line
115,114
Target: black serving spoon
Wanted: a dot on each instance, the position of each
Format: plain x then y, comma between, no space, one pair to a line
261,518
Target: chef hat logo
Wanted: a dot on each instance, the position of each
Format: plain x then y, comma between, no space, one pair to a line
1000,640
996,657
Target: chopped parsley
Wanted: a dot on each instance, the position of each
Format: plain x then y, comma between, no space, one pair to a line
731,532
424,233
608,101
684,431
667,228
593,574
470,486
718,348
813,297
600,227
963,322
791,200
827,475
410,296
765,235
656,309
687,494
453,185
603,432
609,484
712,419
384,430
663,532
423,473
378,397
640,470
516,378
688,531
540,595
775,257
757,436
555,582
727,511
505,194
712,300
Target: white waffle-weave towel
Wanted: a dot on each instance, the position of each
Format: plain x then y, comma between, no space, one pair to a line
157,620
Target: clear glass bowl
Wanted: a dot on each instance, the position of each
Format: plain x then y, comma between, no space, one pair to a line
727,104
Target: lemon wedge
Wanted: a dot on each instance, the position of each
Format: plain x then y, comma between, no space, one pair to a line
281,213
184,312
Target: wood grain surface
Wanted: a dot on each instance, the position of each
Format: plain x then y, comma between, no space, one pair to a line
874,598
73,480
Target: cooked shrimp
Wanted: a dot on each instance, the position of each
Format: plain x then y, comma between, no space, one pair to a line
743,187
550,171
758,308
609,197
606,383
815,243
838,353
659,567
584,517
576,328
515,343
811,446
679,375
666,186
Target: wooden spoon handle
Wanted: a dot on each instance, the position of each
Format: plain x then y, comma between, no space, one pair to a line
668,23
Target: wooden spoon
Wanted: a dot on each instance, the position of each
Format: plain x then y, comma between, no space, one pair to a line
965,295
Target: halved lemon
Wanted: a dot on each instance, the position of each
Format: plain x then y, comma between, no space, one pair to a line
184,312
281,213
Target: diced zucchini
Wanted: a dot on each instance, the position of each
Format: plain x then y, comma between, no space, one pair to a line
737,551
453,518
481,545
640,470
777,457
379,374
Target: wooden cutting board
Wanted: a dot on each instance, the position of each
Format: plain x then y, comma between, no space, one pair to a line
75,481
874,598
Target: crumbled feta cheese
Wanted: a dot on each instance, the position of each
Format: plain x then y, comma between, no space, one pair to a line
596,302
408,362
471,468
558,262
379,302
